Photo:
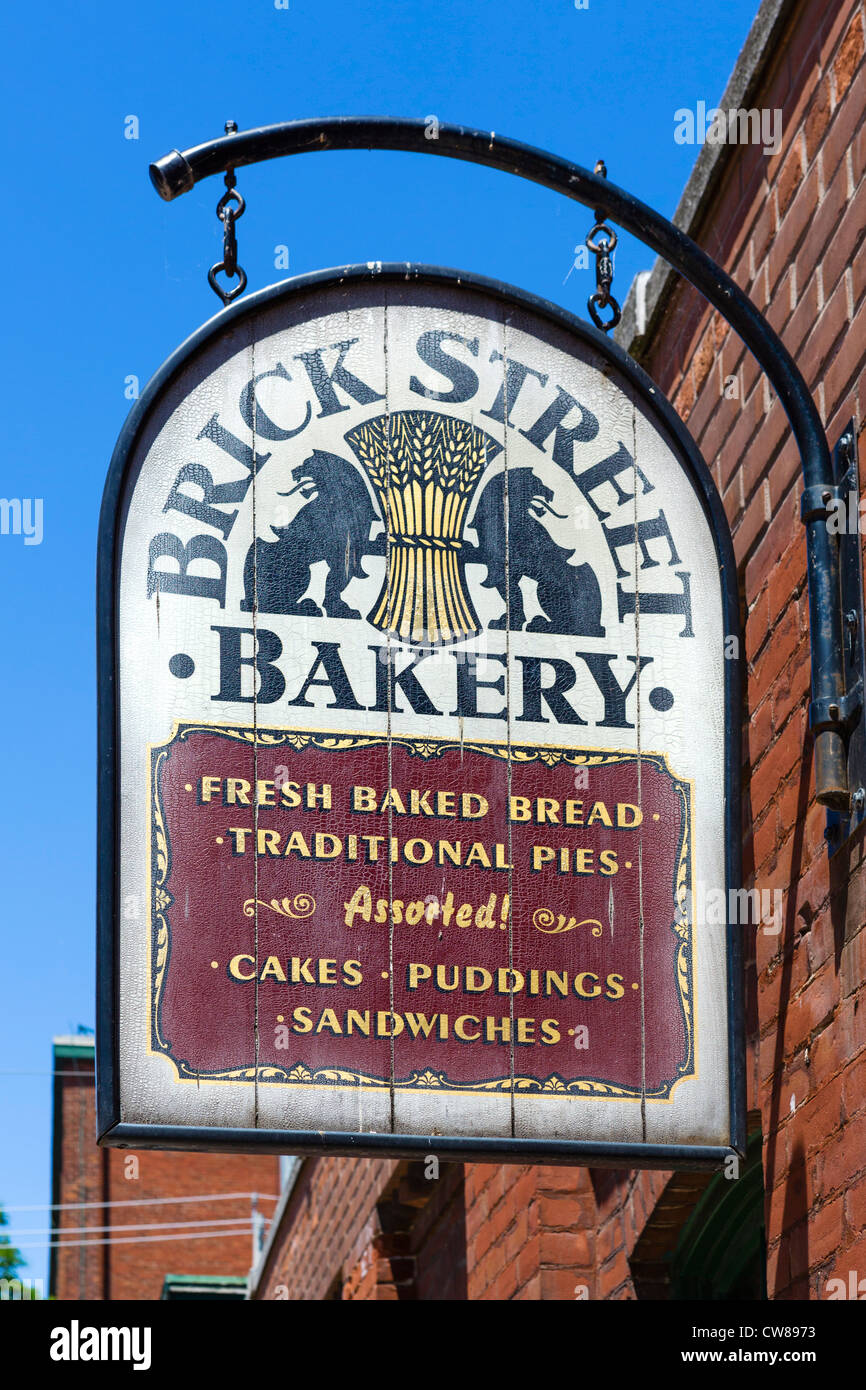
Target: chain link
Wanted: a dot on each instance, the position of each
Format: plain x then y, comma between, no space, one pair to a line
229,215
601,241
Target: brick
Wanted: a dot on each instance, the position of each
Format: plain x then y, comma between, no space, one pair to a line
844,1157
750,522
849,57
806,312
757,625
792,228
786,468
855,1208
709,400
852,964
561,1212
609,1239
858,274
751,375
776,764
778,982
846,123
778,536
763,230
792,688
822,225
720,427
850,357
790,178
784,640
817,119
846,239
859,150
782,305
822,340
741,439
703,360
760,729
778,1269
735,358
788,1203
614,1278
774,429
684,398
765,835
811,1008
530,1291
565,1248
813,835
517,1236
855,1259
558,1284
822,1115
826,1228
854,1086
787,578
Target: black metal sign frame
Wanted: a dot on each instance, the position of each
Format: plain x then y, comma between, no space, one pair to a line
112,1130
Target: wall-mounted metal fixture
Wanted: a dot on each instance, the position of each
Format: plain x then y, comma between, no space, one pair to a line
178,172
841,513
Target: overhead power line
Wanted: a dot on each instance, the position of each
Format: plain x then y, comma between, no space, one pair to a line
13,1235
147,1201
245,1230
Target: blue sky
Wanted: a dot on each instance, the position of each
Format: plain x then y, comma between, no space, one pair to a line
102,280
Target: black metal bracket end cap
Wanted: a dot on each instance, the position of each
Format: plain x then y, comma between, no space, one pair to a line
171,176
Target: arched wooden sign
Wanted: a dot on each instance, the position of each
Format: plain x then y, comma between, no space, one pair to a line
418,740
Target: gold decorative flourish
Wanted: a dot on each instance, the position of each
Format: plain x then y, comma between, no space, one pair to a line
543,919
554,1083
298,1075
424,748
302,905
161,897
429,1078
683,929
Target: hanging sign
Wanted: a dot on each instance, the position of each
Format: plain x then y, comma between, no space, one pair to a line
418,740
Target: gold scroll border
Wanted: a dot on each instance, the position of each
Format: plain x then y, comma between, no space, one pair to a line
339,741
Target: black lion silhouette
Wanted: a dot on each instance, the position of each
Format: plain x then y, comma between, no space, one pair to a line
334,525
569,594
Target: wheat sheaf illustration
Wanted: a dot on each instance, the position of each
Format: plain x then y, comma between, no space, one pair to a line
425,468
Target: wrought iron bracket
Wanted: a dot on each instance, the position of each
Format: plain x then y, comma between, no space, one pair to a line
843,522
178,172
816,502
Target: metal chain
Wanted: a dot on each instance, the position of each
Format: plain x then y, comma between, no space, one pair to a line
229,215
601,242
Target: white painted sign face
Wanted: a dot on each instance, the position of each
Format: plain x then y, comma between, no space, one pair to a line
420,739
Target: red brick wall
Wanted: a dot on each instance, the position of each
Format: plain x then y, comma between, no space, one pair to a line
375,1229
85,1173
329,1231
790,229
530,1232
